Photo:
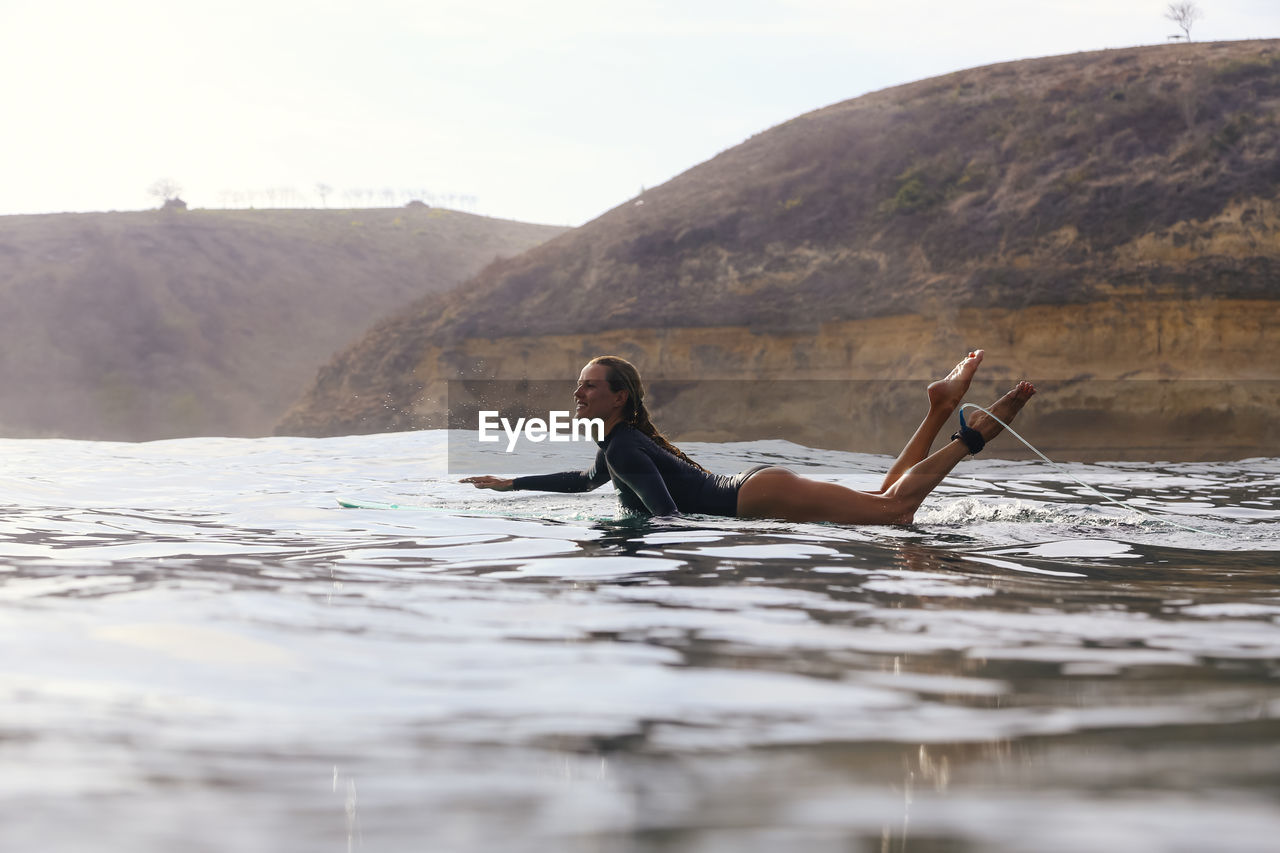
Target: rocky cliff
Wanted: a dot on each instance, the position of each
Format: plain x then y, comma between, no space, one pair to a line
1106,224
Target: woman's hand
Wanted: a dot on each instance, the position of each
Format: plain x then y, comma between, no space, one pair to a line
484,481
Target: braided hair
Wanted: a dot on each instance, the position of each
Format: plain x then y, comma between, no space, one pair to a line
623,376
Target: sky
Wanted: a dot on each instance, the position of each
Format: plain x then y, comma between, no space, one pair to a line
553,111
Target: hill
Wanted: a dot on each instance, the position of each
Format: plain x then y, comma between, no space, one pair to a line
172,323
1106,223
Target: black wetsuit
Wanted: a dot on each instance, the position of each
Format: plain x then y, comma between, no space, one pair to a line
648,479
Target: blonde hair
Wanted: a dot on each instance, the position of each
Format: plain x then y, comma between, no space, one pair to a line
623,376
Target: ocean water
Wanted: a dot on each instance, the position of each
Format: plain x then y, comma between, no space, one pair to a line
203,652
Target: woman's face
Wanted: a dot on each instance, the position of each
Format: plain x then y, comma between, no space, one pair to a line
593,398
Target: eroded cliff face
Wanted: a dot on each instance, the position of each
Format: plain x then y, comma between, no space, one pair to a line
1107,225
1119,380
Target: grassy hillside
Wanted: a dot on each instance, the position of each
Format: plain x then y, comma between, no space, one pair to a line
208,322
1119,179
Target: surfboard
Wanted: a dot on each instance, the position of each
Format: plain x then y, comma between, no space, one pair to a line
353,503
569,517
346,503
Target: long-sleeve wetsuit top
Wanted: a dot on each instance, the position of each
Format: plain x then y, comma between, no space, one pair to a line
648,479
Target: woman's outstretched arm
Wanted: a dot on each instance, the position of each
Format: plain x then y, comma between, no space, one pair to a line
565,481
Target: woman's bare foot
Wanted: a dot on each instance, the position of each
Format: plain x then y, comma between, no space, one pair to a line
1006,409
946,393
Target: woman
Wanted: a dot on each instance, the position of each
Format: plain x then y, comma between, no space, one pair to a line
653,476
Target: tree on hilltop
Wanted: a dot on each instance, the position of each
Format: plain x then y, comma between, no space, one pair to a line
166,191
1184,13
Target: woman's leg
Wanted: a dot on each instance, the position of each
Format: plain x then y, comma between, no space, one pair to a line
944,396
921,479
779,493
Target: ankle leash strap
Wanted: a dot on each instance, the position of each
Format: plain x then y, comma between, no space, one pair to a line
971,437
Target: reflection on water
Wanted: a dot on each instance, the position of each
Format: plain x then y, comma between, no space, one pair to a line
202,651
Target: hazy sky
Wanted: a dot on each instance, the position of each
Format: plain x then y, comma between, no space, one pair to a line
550,111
